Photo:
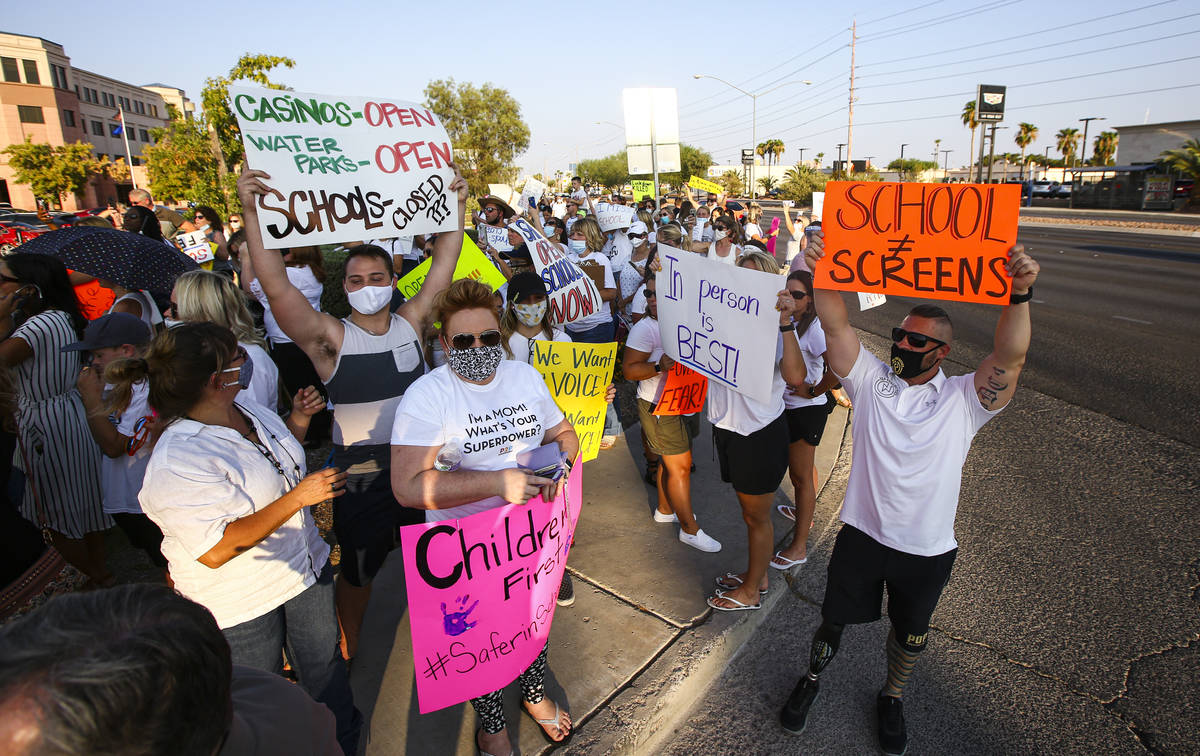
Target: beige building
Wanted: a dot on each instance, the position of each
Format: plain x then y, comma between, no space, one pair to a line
1144,143
44,99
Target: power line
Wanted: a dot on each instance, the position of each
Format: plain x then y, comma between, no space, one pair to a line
899,13
724,128
1026,63
1024,35
939,20
1009,53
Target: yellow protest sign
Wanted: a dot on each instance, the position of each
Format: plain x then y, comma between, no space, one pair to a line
578,376
704,185
642,188
472,263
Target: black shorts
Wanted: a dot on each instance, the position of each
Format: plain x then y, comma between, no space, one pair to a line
365,518
861,567
806,424
754,464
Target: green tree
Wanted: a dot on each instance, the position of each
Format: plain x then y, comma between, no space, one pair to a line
1186,161
52,172
771,149
910,166
610,171
1026,134
1068,140
800,182
971,122
215,99
768,183
1104,148
820,159
184,166
732,183
485,127
693,161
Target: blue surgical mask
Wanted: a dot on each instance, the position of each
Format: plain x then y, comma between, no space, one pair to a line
578,246
245,373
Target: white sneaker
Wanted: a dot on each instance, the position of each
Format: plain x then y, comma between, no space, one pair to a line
667,518
701,540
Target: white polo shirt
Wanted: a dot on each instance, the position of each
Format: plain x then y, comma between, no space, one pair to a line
203,477
910,443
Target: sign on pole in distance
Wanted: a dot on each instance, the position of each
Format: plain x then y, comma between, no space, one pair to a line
989,103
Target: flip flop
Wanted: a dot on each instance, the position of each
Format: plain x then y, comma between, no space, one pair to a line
787,510
738,605
544,723
790,562
732,582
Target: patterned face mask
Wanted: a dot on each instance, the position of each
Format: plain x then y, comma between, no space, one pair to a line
530,314
475,363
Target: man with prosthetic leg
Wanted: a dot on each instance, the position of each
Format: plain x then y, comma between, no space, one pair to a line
912,428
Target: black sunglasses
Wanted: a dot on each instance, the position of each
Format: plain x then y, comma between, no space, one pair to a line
9,279
799,294
489,338
916,339
651,294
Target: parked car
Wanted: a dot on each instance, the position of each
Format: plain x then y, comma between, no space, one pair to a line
1043,188
1062,191
14,234
61,219
1183,188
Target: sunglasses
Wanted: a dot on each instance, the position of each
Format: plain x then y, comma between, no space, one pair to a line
141,432
491,209
651,294
9,279
798,295
240,354
489,338
916,339
636,236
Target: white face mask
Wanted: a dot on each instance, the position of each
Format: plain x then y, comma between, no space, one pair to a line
720,234
370,299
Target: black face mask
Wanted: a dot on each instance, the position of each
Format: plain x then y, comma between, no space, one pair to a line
907,364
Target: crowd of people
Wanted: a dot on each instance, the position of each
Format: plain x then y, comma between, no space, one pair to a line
185,422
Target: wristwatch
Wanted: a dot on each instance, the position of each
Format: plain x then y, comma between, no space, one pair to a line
1021,298
657,368
812,392
788,327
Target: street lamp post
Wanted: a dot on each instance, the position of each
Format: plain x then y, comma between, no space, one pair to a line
946,158
902,160
753,112
840,146
1083,150
801,160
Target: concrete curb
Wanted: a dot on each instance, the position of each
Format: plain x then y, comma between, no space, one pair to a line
1031,224
642,715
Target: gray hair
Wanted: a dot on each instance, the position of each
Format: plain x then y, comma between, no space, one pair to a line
134,670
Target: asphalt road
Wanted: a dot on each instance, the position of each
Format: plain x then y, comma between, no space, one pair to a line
1071,623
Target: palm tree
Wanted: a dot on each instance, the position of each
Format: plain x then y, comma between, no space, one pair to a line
1186,160
768,183
1068,140
776,149
820,159
1104,147
1026,134
971,122
761,150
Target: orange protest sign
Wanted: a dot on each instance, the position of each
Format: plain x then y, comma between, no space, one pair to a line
683,392
930,241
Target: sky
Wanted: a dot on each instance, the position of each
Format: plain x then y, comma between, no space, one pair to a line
916,61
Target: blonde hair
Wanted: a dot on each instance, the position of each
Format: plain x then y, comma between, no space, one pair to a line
463,294
204,296
765,262
591,233
670,233
645,216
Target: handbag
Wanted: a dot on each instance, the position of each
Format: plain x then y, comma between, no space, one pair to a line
49,576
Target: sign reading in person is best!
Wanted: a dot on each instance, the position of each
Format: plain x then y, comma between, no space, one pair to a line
482,590
345,168
578,376
472,263
719,320
570,293
930,241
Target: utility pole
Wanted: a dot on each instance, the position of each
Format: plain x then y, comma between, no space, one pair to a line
946,166
840,146
850,122
801,160
991,153
1083,150
902,160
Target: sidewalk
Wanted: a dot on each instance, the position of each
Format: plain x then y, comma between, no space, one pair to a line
639,646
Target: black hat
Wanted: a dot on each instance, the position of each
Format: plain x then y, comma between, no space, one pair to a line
520,252
113,329
525,284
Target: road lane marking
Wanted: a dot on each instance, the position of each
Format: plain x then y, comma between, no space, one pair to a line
1039,301
1132,320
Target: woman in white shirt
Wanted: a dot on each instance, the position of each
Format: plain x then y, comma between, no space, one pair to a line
806,409
751,229
751,440
586,242
633,271
437,410
727,240
226,484
203,296
525,317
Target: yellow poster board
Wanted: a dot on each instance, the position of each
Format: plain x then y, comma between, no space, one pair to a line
578,376
472,263
705,185
642,188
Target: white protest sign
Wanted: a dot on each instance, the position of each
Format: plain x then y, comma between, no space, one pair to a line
571,294
195,246
867,300
719,320
533,190
345,167
559,209
611,217
496,238
818,203
698,229
503,191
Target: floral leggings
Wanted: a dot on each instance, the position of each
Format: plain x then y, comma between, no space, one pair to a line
490,707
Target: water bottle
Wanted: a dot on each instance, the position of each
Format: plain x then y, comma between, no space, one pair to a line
449,457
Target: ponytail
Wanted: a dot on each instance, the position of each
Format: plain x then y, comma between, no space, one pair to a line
122,375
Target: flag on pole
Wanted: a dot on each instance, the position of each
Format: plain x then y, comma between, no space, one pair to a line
119,116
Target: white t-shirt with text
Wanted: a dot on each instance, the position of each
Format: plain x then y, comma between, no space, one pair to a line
812,347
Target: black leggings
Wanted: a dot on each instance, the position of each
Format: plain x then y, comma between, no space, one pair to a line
490,706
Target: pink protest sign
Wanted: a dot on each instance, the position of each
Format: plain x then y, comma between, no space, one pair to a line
481,593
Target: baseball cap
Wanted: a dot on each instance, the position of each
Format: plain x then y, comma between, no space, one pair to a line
523,285
637,227
113,329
